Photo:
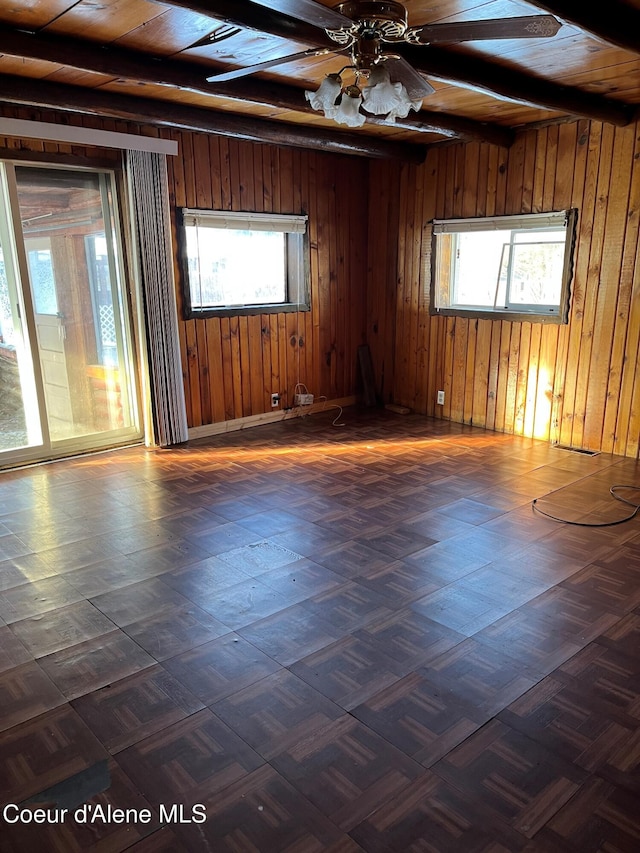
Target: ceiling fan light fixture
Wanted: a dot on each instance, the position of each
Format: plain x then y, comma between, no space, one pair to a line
361,29
382,97
324,99
348,111
401,109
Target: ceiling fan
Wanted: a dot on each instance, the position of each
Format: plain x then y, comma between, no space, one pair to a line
384,83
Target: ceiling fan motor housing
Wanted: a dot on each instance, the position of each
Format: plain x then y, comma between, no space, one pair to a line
387,20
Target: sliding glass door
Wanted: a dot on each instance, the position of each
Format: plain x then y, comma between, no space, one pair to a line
67,378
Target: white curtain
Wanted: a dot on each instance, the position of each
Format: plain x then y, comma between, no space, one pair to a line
147,175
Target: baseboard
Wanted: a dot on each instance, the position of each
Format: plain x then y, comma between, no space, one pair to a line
266,418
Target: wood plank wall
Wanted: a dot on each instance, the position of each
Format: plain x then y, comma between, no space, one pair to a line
232,365
576,384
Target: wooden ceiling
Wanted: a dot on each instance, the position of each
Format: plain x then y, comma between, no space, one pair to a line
136,59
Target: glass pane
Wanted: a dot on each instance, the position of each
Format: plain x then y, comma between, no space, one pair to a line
41,275
19,422
13,428
536,275
550,236
82,346
228,267
482,268
479,267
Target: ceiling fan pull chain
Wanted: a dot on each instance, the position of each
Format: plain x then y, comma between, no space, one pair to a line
225,31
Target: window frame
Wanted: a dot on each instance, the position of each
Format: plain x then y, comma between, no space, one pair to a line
516,312
297,267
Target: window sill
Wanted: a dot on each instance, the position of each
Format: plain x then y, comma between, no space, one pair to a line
512,316
246,310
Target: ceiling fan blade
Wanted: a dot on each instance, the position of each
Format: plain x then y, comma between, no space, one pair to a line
530,26
309,12
224,76
415,84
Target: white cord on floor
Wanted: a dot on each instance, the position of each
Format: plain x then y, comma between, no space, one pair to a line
612,492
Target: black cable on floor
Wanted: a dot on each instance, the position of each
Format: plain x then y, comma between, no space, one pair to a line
613,493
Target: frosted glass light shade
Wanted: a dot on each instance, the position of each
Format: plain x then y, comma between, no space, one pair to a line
324,100
402,108
382,97
349,109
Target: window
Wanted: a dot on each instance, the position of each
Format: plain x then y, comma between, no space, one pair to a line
244,263
519,266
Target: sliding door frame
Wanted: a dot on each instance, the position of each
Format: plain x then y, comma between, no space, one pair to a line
126,310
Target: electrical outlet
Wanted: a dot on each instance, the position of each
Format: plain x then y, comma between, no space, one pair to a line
440,398
275,400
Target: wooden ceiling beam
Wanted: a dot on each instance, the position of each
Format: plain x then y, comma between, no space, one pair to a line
60,96
448,65
120,63
616,22
513,85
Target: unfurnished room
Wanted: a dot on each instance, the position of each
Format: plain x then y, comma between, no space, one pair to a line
319,426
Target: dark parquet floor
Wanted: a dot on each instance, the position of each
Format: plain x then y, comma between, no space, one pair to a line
321,639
